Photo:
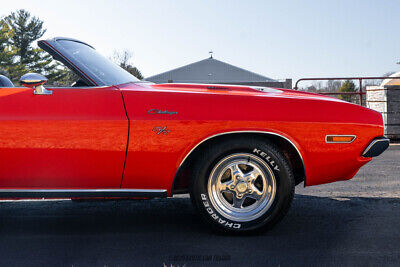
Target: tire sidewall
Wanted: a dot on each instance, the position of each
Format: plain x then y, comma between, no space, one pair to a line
264,151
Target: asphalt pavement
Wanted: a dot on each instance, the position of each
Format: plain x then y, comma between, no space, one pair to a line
352,223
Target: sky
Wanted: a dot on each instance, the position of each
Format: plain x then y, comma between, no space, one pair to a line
278,39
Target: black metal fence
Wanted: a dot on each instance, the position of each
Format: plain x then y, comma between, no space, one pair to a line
354,97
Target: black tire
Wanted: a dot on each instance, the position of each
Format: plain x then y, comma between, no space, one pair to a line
256,149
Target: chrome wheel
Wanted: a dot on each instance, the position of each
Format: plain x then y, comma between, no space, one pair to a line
242,187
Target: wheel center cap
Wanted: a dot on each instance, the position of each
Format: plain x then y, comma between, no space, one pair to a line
241,187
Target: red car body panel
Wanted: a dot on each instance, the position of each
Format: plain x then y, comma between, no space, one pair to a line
133,139
78,138
74,138
204,111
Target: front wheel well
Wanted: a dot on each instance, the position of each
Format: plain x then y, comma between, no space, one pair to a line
184,173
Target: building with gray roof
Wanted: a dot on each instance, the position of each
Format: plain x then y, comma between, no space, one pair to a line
214,71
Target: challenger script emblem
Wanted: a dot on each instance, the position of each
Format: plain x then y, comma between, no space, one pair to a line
157,111
161,130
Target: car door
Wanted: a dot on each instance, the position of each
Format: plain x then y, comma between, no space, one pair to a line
73,138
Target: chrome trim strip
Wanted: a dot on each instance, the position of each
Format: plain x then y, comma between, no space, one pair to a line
373,143
330,142
232,132
39,193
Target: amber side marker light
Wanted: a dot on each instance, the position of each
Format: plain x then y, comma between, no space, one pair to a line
346,139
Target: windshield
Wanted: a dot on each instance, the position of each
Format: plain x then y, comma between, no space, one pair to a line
106,71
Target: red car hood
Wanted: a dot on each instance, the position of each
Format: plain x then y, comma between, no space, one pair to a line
234,90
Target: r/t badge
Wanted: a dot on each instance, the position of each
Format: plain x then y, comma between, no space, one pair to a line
161,130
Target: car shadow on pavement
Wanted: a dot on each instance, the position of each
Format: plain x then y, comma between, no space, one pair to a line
317,230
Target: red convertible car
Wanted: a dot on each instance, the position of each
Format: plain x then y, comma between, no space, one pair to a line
238,150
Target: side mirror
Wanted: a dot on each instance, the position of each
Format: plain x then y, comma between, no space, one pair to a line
35,81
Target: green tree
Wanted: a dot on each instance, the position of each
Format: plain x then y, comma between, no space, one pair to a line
134,71
25,30
347,86
123,60
7,51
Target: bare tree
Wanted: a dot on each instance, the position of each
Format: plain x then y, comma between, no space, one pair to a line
376,81
333,86
123,59
311,89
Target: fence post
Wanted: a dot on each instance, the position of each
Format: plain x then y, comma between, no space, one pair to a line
360,92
